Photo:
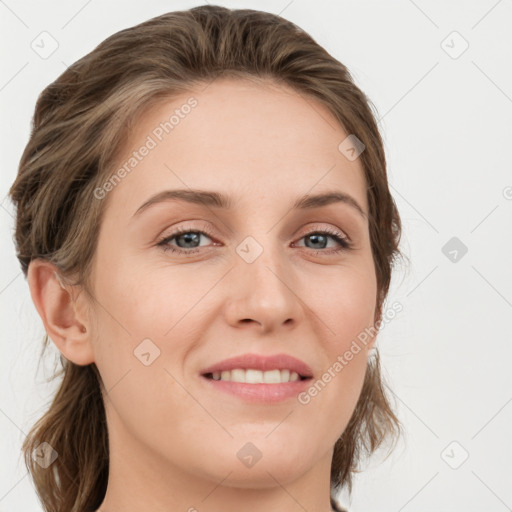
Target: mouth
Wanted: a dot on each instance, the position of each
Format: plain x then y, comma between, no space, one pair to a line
259,378
254,368
255,386
254,376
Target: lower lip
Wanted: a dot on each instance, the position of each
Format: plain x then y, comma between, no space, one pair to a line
260,393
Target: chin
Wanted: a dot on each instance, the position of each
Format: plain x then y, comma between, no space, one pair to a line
265,473
259,463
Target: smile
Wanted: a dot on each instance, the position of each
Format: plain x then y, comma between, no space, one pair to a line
252,376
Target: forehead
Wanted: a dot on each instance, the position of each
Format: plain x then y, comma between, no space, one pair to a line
251,139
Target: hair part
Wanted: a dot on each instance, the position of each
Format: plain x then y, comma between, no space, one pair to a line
80,125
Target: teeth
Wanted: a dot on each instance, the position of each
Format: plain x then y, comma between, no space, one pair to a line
256,376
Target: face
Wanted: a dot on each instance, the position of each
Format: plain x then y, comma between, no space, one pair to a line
258,275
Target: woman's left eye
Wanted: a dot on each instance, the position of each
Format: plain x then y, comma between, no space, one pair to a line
321,237
189,240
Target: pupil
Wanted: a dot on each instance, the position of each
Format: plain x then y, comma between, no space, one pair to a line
190,237
316,237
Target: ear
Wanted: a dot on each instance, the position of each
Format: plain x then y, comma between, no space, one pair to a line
64,320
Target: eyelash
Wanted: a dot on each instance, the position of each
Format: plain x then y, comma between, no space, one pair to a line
345,244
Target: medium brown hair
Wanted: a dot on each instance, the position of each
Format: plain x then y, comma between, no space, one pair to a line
79,125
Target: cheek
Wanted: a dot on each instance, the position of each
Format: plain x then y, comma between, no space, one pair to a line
141,347
138,302
145,312
346,307
345,302
332,396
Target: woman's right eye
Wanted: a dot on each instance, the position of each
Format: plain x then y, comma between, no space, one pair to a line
183,236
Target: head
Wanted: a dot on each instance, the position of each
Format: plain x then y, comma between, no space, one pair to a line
244,104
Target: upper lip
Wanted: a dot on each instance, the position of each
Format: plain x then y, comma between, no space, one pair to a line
263,363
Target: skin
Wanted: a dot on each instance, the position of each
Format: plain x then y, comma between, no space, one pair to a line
173,440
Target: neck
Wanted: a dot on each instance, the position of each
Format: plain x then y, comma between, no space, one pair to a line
140,479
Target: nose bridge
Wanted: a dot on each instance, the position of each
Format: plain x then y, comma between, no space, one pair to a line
257,257
265,281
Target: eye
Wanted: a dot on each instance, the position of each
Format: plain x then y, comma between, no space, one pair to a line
186,239
320,238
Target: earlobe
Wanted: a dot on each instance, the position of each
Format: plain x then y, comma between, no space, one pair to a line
54,302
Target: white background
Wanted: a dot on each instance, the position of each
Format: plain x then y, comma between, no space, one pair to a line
447,125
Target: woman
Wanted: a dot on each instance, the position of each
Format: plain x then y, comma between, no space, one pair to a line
240,372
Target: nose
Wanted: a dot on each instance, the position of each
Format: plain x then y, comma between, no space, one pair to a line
262,294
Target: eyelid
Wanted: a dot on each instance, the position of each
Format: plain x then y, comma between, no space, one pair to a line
314,227
204,228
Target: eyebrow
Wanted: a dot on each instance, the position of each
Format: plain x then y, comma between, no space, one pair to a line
219,200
